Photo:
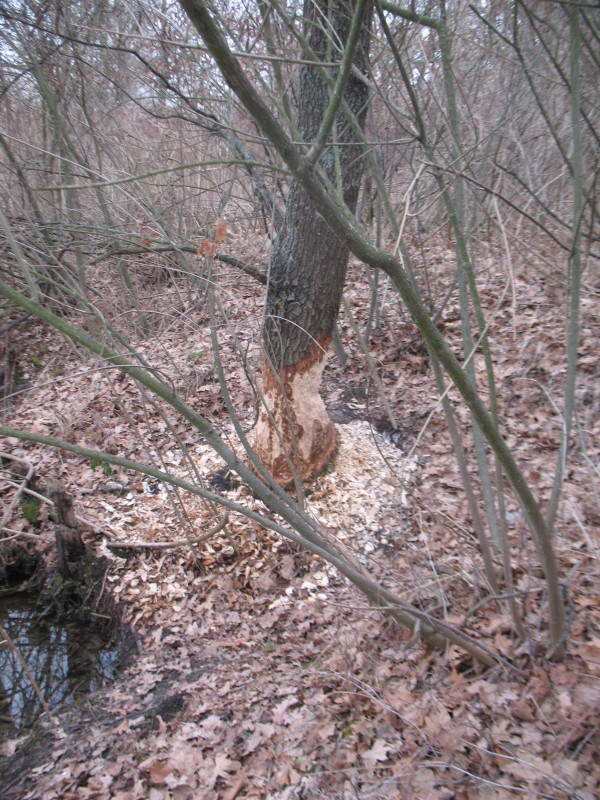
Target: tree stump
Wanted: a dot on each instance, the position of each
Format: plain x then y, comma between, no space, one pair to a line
70,549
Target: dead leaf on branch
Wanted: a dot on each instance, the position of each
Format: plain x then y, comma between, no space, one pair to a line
206,248
221,231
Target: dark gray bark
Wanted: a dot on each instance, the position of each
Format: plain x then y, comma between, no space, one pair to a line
308,265
70,549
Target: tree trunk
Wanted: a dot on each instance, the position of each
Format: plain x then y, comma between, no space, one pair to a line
308,264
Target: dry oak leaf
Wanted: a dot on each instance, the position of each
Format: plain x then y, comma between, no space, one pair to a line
523,711
529,770
378,752
262,733
540,686
280,712
287,567
424,784
223,766
159,771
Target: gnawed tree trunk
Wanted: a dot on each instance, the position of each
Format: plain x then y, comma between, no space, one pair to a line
308,264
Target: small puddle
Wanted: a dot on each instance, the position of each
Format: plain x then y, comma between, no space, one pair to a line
66,661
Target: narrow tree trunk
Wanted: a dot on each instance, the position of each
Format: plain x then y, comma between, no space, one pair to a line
308,264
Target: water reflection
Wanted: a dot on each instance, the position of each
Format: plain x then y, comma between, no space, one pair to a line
67,661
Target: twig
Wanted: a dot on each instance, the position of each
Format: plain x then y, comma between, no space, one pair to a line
493,598
21,488
17,534
226,259
14,323
112,545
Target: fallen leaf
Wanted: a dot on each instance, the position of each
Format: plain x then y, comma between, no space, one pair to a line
378,752
159,770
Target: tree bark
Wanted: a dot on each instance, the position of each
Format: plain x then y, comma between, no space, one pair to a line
70,548
309,261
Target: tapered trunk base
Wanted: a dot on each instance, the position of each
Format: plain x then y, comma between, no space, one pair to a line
294,431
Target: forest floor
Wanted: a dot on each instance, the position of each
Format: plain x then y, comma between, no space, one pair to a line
261,673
